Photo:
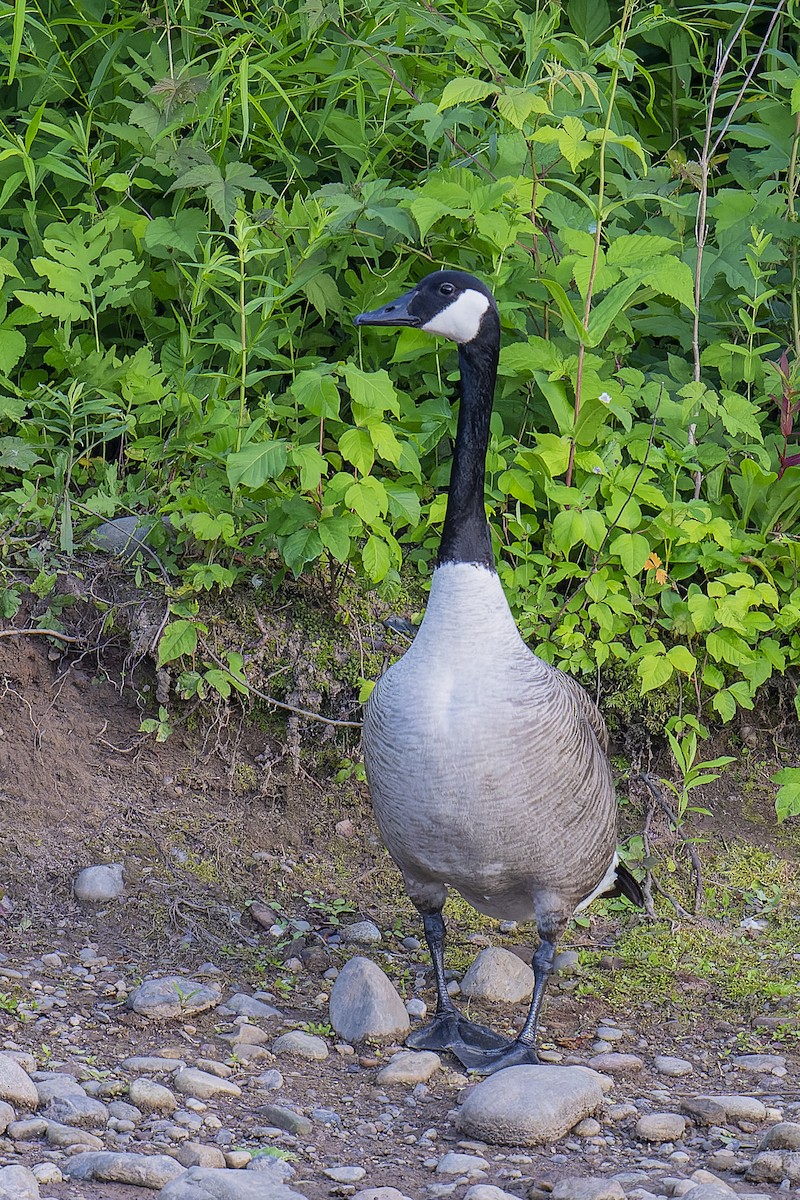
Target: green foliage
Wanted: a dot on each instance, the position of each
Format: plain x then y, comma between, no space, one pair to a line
194,211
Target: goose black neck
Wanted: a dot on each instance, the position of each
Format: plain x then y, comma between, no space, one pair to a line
465,536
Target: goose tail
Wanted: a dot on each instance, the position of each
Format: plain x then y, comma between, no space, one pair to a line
626,885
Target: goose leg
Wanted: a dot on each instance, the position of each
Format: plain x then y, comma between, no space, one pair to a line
522,1051
449,1029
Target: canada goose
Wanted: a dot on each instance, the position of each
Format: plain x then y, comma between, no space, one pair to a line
487,766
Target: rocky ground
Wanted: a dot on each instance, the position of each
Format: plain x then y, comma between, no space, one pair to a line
216,1009
185,1086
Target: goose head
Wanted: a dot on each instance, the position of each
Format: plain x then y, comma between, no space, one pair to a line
452,304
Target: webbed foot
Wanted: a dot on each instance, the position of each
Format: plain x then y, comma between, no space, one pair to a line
452,1031
486,1062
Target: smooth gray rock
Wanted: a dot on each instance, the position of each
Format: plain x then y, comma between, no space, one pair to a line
673,1067
497,974
152,1064
345,1174
566,962
301,1045
7,1115
51,1085
530,1105
454,1163
28,1130
204,1183
16,1085
250,1006
706,1110
67,1135
100,884
196,1154
773,1166
272,1170
78,1109
172,996
783,1136
362,933
124,536
583,1187
18,1183
365,1004
743,1108
485,1191
390,1193
285,1118
140,1170
763,1064
148,1096
615,1063
202,1084
410,1066
661,1127
709,1191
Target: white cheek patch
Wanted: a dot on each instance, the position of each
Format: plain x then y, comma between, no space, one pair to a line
461,320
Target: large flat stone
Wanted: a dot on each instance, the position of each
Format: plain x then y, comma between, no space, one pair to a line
207,1183
527,1106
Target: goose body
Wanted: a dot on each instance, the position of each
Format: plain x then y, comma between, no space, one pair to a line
487,766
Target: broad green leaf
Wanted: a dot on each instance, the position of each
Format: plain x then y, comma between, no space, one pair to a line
590,19
654,671
518,484
464,91
256,463
17,453
670,277
704,611
373,390
368,498
356,446
324,294
376,558
385,441
682,659
12,348
787,801
637,249
426,212
726,646
313,466
725,705
179,638
175,234
569,528
627,141
334,534
515,105
316,393
594,528
300,548
633,550
739,415
552,449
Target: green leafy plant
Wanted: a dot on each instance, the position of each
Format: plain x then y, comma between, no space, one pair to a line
192,219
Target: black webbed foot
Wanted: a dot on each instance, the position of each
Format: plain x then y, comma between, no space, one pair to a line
450,1030
486,1062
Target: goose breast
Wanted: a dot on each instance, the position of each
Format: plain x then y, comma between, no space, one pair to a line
486,766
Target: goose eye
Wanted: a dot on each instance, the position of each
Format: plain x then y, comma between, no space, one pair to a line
446,289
